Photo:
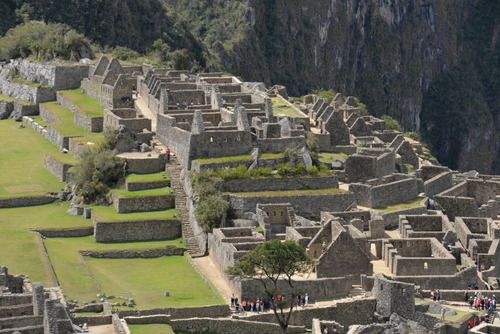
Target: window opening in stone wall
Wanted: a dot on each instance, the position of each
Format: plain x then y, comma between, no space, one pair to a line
211,139
426,266
238,138
381,287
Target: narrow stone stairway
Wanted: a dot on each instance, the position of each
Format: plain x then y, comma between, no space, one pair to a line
174,171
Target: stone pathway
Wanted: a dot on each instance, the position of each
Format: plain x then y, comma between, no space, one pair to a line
143,107
174,171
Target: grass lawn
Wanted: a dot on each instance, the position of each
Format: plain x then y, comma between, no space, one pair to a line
13,99
160,176
230,158
22,154
147,192
412,203
272,155
67,127
145,280
327,157
72,270
109,214
151,329
282,108
22,250
293,192
85,103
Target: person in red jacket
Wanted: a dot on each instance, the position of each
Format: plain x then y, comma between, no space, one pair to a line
167,151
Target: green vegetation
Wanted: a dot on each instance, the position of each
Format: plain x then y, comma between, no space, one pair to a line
327,157
413,135
86,104
412,203
154,177
97,171
282,108
151,329
13,99
21,164
210,211
230,158
326,94
42,41
327,191
147,192
22,250
391,123
109,214
272,156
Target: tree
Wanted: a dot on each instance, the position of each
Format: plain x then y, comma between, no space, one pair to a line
270,263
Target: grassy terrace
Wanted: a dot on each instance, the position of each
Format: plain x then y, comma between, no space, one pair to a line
85,103
147,192
231,158
109,214
155,177
22,250
151,329
327,157
412,203
13,99
272,155
282,108
67,127
328,191
22,155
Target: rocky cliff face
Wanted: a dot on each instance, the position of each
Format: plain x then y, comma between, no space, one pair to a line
390,53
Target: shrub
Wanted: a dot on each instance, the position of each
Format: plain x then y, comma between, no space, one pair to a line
210,211
391,123
413,135
312,170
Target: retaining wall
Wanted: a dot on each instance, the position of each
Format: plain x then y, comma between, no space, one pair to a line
270,184
89,123
143,203
134,186
16,202
211,311
230,326
19,322
150,319
93,320
146,165
129,254
67,232
58,168
160,229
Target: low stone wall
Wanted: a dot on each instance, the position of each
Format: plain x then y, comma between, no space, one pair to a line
459,295
93,320
230,326
58,168
25,330
89,123
143,203
15,299
451,282
210,311
16,202
150,319
384,194
27,93
299,183
134,186
21,110
147,165
438,184
160,229
318,289
199,166
392,218
354,312
94,308
75,232
309,205
130,254
19,322
278,145
16,310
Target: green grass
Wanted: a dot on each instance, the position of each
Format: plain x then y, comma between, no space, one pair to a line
147,192
160,176
460,317
327,157
272,156
292,192
22,155
231,158
109,214
23,81
151,329
85,103
13,99
22,250
412,203
145,280
67,127
282,108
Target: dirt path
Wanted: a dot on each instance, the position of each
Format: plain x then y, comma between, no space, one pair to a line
207,266
143,107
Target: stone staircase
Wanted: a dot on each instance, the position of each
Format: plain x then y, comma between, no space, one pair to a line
174,171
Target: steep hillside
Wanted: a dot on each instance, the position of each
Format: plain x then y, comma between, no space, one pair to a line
389,53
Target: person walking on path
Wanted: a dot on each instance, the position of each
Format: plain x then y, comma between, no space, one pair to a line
167,151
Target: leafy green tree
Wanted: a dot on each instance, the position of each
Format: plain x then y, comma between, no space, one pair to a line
391,123
210,211
269,263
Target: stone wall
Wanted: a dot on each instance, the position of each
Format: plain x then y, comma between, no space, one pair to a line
449,282
394,297
16,202
58,168
309,205
278,145
392,218
437,184
19,322
354,312
113,119
75,232
318,289
143,203
89,123
230,326
16,311
27,93
210,311
134,186
92,320
147,165
130,254
150,319
384,194
199,166
58,75
297,183
15,299
160,229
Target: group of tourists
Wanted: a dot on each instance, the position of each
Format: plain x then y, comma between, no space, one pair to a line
436,295
477,320
264,304
480,302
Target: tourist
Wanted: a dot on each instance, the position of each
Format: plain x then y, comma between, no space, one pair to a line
438,293
167,151
232,300
466,296
306,300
